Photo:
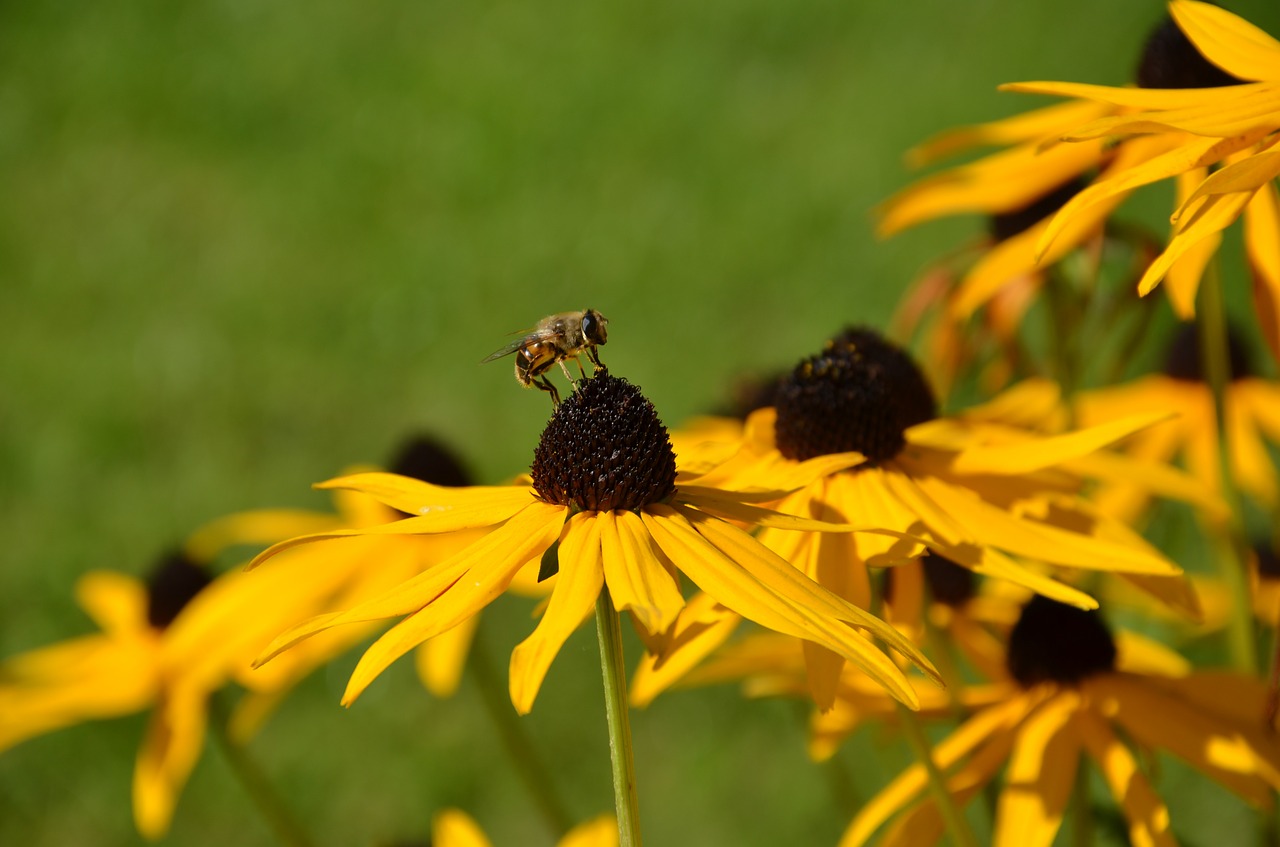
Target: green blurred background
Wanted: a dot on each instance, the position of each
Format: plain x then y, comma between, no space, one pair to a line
243,244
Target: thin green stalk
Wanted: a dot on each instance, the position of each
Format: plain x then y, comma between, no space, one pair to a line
844,795
609,630
262,793
519,747
1215,358
1081,808
957,826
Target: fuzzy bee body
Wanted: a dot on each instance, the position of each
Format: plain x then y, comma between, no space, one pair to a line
555,339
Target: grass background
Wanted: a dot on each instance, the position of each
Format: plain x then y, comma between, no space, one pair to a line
243,244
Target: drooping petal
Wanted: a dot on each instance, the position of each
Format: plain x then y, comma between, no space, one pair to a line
441,660
702,626
1235,111
1248,174
1262,245
415,497
1035,454
1041,773
519,539
261,526
1025,126
580,580
1129,97
1212,214
782,578
483,583
1227,40
1147,814
719,575
998,721
115,602
174,739
636,578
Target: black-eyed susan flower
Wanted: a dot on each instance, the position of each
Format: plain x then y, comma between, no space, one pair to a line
604,506
1215,138
1070,700
454,828
166,645
997,500
1252,407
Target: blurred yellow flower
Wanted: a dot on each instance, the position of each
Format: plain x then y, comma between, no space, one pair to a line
453,828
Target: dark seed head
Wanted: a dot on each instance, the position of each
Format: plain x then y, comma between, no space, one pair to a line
1183,358
174,582
859,395
604,449
1053,642
1170,60
429,460
949,584
1268,561
1011,223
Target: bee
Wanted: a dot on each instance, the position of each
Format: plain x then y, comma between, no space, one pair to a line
556,338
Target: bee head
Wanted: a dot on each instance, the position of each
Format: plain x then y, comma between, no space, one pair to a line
593,327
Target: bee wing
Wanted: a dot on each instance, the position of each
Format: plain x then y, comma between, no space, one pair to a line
505,350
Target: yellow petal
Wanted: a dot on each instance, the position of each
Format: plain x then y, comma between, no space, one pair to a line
483,582
1211,215
998,721
1129,97
601,832
1038,453
1027,126
702,626
578,585
1228,41
1235,111
1248,174
174,739
441,660
1147,814
1040,776
1138,654
262,526
636,578
452,828
1262,244
1152,477
415,497
117,603
1158,720
720,575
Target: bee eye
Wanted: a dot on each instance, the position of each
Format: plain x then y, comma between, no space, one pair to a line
589,326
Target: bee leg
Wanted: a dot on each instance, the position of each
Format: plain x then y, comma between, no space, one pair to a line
544,384
568,375
595,359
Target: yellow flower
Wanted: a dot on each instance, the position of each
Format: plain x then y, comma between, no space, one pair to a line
1070,701
995,499
1182,133
166,646
604,508
1191,438
453,828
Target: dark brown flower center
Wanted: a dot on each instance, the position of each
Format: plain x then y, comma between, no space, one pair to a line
859,394
1170,60
948,583
604,449
1053,642
424,458
1268,562
174,582
1183,358
1008,224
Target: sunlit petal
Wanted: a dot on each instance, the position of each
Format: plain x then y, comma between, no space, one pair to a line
1041,773
637,580
1229,41
1147,814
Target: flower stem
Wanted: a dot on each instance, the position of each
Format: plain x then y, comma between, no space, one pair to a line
1215,359
1081,808
609,629
519,747
287,829
957,826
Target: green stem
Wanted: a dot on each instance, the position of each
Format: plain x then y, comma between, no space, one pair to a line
281,821
957,826
1215,359
609,629
520,750
1081,808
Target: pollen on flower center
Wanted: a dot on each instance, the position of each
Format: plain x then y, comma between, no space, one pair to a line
859,394
604,449
1053,642
174,582
1170,60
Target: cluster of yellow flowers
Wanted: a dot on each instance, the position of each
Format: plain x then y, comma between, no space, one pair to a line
896,564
